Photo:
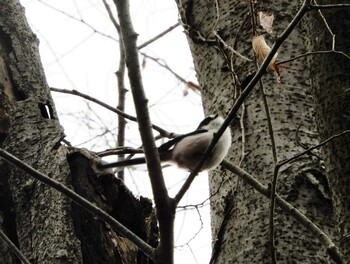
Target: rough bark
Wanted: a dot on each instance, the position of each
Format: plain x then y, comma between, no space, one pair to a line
240,216
42,222
330,81
40,217
100,243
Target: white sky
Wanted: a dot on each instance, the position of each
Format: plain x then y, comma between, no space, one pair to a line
74,57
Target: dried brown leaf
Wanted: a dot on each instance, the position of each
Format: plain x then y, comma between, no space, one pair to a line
261,50
266,21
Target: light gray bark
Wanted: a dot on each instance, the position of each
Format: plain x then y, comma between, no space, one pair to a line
240,215
330,80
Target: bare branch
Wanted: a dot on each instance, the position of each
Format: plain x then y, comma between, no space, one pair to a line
317,6
287,207
163,64
161,131
313,53
118,151
79,20
282,163
230,48
111,16
121,89
273,147
158,36
274,179
165,212
142,245
121,105
228,210
13,248
333,50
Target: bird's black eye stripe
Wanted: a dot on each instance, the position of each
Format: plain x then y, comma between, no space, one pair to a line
207,120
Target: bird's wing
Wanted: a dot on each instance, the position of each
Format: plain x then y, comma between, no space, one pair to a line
168,145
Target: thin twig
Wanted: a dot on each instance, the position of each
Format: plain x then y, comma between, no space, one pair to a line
253,17
333,50
217,11
195,234
121,105
274,177
219,239
158,36
274,151
121,89
161,131
81,20
316,6
230,48
118,151
313,53
163,64
241,122
111,16
13,247
309,150
327,26
142,245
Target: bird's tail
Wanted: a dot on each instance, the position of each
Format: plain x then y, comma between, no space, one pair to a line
164,157
123,163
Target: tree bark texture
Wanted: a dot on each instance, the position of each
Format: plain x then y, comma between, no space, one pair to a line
330,81
45,225
36,217
240,215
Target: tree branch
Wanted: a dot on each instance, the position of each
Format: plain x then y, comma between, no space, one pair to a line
313,53
13,248
111,16
309,150
273,147
81,20
287,207
163,64
121,105
317,6
158,36
165,213
161,131
142,245
121,88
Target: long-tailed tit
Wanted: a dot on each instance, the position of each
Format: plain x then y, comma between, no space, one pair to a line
186,150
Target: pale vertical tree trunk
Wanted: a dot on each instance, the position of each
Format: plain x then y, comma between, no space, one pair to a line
240,215
44,224
330,80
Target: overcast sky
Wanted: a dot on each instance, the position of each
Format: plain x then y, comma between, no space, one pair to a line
76,56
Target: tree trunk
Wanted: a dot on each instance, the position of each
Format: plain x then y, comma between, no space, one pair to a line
240,215
330,80
36,217
42,222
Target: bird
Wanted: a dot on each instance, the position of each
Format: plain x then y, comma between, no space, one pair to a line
186,150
